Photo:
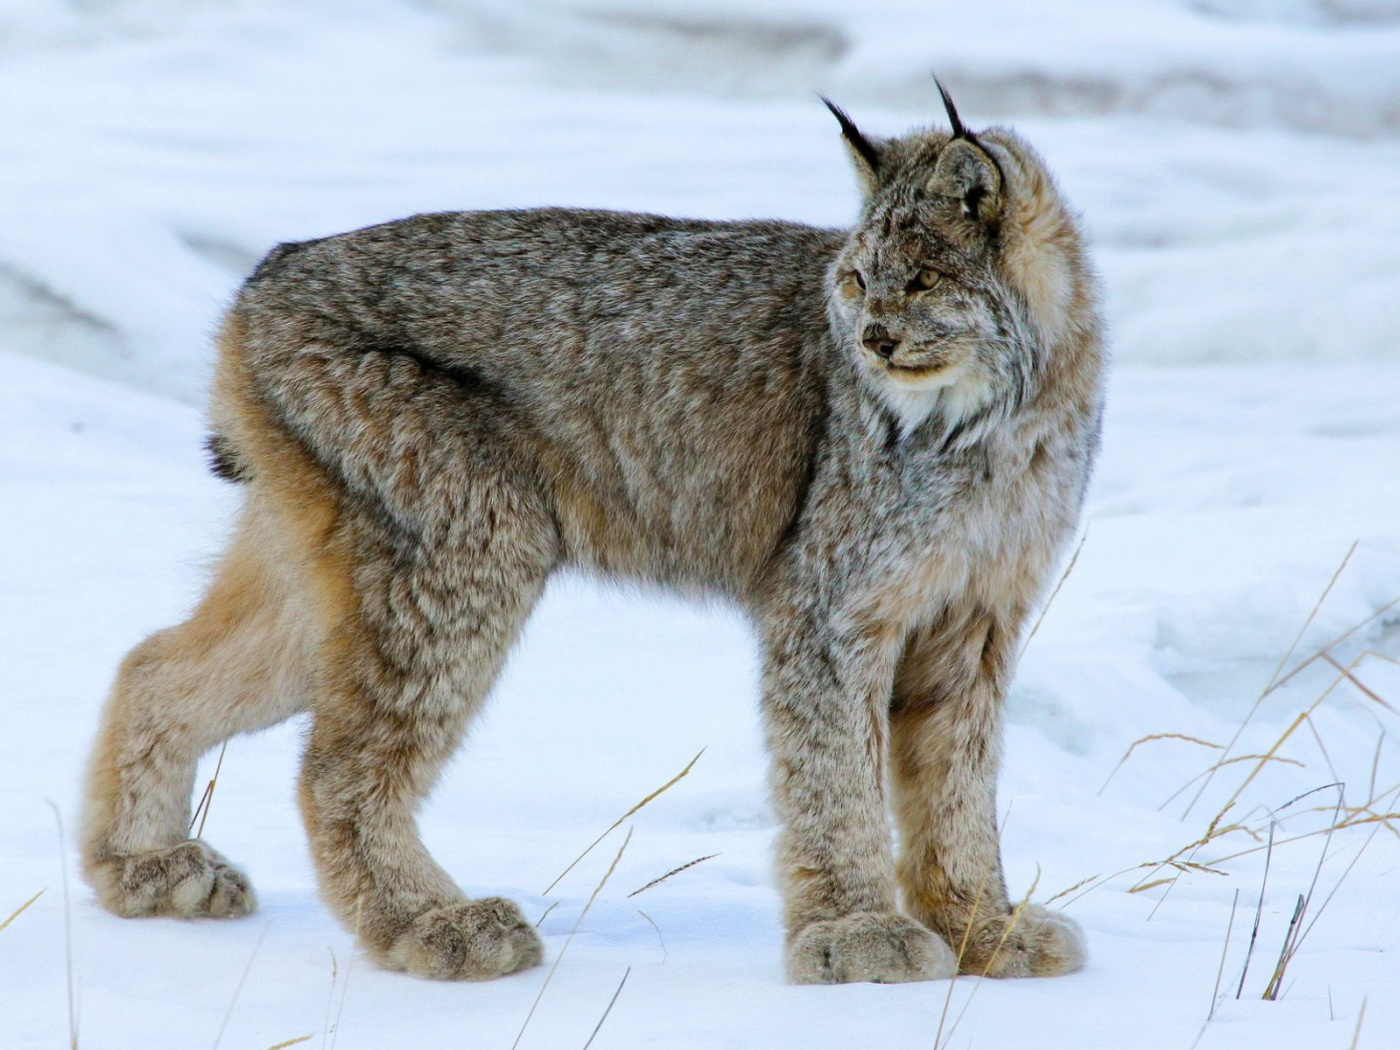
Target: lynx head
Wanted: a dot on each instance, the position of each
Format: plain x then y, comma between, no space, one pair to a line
964,274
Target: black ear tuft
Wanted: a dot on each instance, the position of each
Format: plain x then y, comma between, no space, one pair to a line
859,144
959,132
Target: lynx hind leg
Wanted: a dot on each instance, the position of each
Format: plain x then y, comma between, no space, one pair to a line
405,670
427,543
945,734
238,664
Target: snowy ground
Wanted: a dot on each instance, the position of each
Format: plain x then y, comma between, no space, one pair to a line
1236,162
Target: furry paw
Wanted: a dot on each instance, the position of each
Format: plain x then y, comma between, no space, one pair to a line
190,880
1039,943
473,941
868,946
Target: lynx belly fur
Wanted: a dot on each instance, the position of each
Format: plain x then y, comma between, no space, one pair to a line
875,442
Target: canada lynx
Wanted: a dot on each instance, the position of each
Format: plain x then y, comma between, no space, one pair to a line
874,441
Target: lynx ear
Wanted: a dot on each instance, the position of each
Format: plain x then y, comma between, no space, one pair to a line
863,152
965,170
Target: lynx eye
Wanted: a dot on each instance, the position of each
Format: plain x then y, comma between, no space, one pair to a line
853,284
924,280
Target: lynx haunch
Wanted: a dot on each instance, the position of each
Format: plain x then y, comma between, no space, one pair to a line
873,441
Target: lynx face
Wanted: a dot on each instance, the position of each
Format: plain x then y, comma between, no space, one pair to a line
954,280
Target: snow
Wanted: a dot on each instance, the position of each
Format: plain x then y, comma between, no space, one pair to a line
1235,160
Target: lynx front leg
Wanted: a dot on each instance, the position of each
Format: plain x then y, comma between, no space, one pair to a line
945,741
425,634
825,709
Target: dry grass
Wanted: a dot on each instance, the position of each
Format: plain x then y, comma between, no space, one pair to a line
238,988
67,926
611,1003
659,937
618,822
201,811
1264,825
1148,739
22,908
1274,679
1360,1017
674,871
1058,584
1016,912
577,922
1224,952
1375,810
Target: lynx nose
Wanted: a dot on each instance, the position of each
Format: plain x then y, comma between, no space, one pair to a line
878,341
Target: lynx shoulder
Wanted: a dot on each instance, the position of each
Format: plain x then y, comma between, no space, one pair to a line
875,441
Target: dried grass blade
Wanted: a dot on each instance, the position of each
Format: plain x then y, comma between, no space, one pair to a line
23,908
1323,907
238,988
1016,914
1336,642
674,871
578,922
1258,911
664,952
618,822
1375,766
67,926
207,799
1224,951
1051,600
1272,989
1070,889
962,951
1153,736
1350,675
611,1003
1361,1016
1273,678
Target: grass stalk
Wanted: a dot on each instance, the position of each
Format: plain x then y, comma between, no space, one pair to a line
1224,951
579,921
1273,678
674,871
617,823
238,988
1360,1017
67,927
1147,739
660,938
962,951
1258,911
201,811
22,908
1016,914
611,1003
1053,594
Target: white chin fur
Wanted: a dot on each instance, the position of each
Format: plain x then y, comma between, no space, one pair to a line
953,396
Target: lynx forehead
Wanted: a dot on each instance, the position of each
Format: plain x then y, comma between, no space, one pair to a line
874,441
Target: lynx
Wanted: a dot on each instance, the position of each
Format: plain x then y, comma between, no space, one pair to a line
874,442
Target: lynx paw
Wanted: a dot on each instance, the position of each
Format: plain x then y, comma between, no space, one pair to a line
868,946
1039,943
189,881
474,941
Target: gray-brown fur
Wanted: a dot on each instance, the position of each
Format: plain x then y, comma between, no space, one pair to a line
873,441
